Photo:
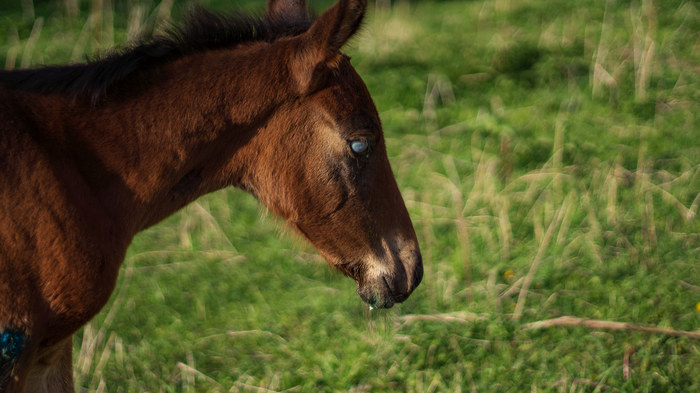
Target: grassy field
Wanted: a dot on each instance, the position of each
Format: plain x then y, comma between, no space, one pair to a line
549,154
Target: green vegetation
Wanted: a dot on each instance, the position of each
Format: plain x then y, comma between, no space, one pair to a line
549,154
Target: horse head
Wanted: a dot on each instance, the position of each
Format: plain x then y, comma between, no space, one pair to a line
326,171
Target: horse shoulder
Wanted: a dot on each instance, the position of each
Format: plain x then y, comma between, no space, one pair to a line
58,248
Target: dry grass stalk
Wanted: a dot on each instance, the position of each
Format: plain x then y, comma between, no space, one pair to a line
689,286
537,222
135,26
641,176
626,368
241,386
256,332
211,223
688,213
460,221
491,290
544,244
188,374
438,89
94,341
428,241
607,325
81,43
558,152
565,224
504,226
108,25
12,53
97,380
513,289
29,46
459,316
600,77
644,47
506,156
164,13
591,217
612,188
649,227
96,19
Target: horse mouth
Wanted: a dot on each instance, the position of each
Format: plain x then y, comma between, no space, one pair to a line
375,298
380,294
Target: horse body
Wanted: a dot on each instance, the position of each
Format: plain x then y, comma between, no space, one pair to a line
276,117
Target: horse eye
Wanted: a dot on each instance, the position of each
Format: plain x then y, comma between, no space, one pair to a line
359,146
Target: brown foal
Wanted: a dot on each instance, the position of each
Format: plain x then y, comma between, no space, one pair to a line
94,153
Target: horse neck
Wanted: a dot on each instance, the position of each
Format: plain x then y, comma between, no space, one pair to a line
147,155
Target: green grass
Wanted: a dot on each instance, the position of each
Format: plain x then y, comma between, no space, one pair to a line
549,154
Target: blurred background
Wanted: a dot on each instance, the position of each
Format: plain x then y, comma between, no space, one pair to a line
549,155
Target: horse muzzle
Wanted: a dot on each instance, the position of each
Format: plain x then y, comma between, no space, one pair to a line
382,287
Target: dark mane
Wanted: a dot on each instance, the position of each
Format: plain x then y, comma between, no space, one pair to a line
202,30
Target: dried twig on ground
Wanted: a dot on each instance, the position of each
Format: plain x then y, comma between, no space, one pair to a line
608,325
688,285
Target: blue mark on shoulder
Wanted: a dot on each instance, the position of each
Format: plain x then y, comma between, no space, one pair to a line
11,345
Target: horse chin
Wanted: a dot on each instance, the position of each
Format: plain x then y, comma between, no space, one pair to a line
375,298
378,294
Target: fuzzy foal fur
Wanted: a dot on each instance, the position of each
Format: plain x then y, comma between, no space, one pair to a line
94,153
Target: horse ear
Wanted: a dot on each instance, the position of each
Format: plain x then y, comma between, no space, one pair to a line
335,26
294,10
321,44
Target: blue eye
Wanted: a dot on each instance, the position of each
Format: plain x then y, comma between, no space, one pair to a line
359,146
